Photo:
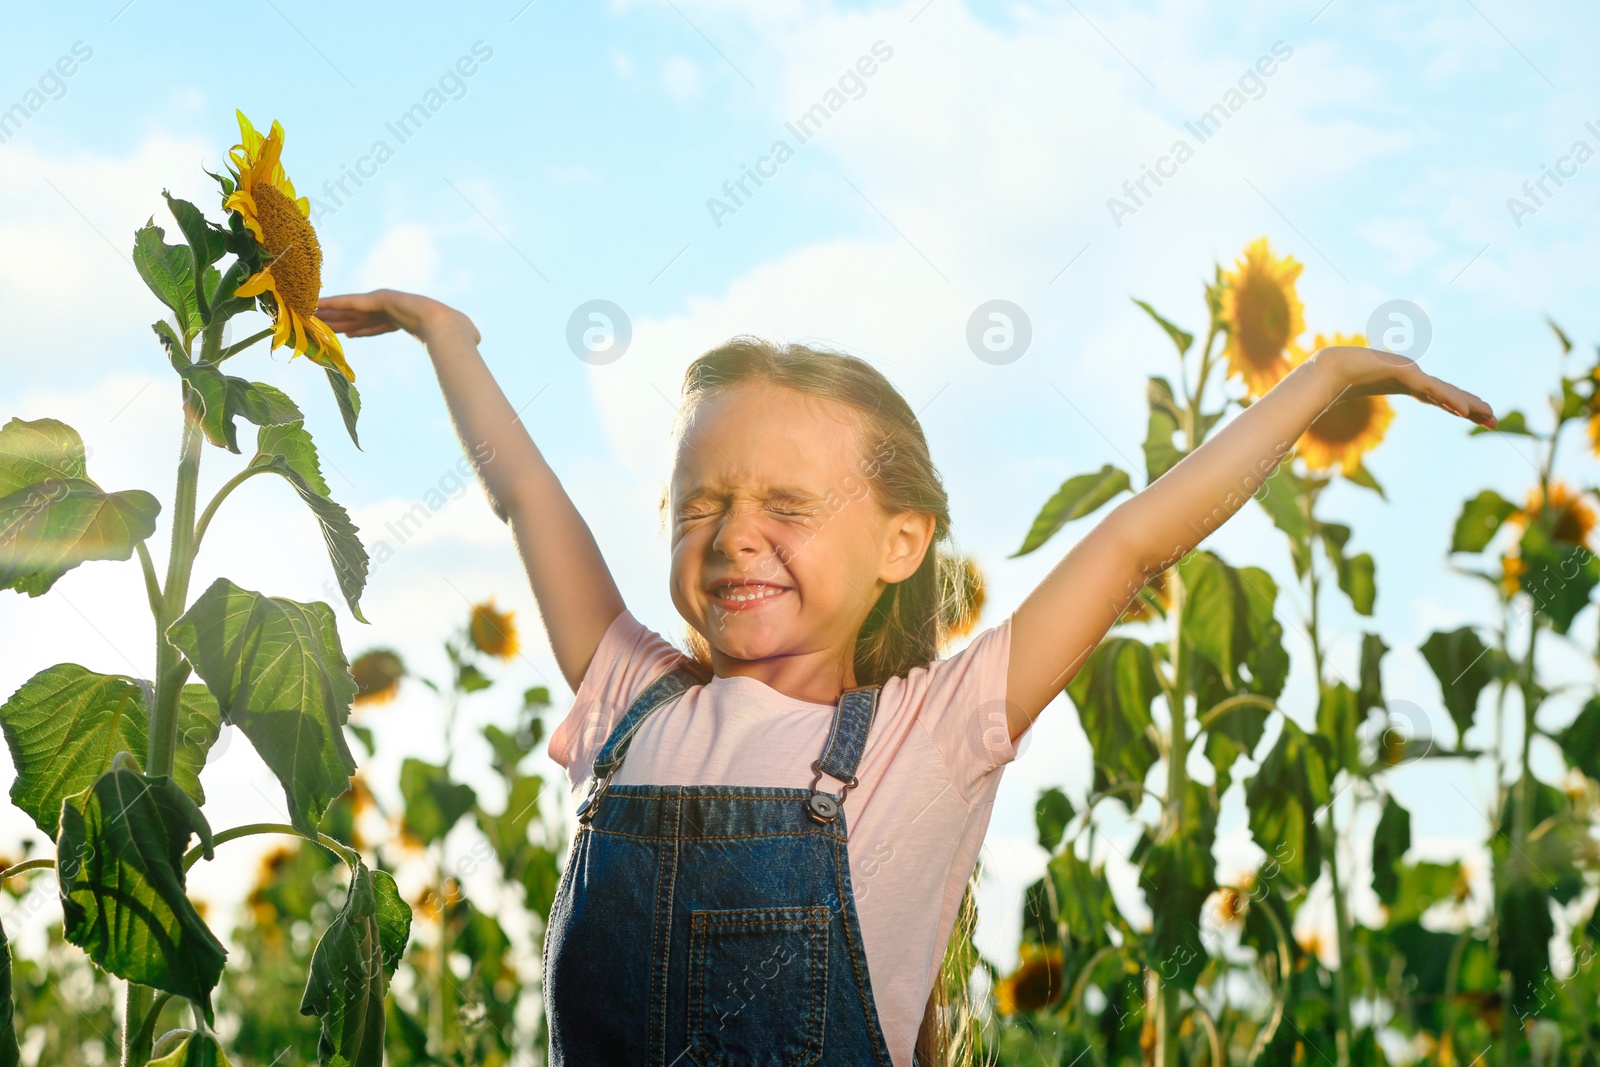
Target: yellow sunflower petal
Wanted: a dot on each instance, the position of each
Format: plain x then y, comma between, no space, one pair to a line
329,352
299,332
1262,314
247,133
260,282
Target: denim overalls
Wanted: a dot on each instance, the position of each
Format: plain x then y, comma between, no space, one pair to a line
712,925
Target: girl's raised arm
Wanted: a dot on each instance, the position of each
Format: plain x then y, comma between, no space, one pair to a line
577,597
1056,627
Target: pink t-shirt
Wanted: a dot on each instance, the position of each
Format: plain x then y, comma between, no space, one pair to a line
927,778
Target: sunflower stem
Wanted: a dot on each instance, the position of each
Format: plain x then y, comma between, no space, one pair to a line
349,855
222,494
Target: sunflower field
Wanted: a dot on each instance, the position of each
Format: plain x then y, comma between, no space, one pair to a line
331,964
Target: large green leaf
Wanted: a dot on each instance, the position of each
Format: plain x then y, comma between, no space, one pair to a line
66,723
1285,798
1083,896
63,728
42,450
1177,876
52,526
1390,840
206,241
351,968
1559,576
1419,886
1580,740
1463,665
1338,719
1233,733
434,803
1511,422
1161,454
1480,519
1369,692
1356,574
120,867
278,673
169,272
339,534
10,1053
1113,693
217,399
1078,496
507,831
293,442
1228,621
1283,496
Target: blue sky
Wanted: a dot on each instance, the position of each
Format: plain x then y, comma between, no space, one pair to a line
975,162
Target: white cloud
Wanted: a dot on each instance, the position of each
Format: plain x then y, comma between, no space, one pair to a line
405,257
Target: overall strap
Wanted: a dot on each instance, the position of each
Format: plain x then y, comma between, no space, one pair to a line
841,754
659,692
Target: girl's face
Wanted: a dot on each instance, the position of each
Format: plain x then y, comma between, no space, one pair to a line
770,492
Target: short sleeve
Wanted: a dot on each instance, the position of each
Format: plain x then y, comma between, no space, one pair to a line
963,708
629,657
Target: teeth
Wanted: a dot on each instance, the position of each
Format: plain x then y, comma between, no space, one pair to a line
764,591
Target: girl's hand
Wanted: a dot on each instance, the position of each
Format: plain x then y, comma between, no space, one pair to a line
1370,371
386,310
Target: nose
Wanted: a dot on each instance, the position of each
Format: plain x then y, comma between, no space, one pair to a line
739,532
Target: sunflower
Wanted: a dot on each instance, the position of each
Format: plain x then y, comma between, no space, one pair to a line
1350,428
377,674
1262,314
492,632
1035,983
279,221
965,599
1568,517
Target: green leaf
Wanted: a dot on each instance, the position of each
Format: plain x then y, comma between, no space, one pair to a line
351,967
1363,477
1337,720
10,1053
1511,422
39,451
1566,342
1113,693
1356,573
52,526
1285,798
1234,733
120,866
63,726
1419,886
196,1050
292,441
433,802
1228,621
1051,813
339,534
1077,497
1463,665
169,272
1369,695
1390,840
278,673
199,726
217,399
1283,497
1183,339
1525,931
1580,740
1559,576
1177,876
220,290
470,679
1160,453
1573,403
349,401
1480,519
1083,896
509,749
540,877
204,237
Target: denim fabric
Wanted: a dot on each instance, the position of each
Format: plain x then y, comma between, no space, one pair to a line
712,925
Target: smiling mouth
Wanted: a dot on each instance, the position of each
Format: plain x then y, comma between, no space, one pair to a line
738,596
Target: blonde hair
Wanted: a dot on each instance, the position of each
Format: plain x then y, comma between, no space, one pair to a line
912,619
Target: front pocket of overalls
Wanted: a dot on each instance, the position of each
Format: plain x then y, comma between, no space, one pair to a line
758,983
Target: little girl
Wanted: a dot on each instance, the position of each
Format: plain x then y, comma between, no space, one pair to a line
779,825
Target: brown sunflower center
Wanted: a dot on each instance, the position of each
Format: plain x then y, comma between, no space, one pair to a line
1263,321
291,243
1344,422
1572,525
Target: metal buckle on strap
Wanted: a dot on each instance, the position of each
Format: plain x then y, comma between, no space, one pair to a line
592,801
820,806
